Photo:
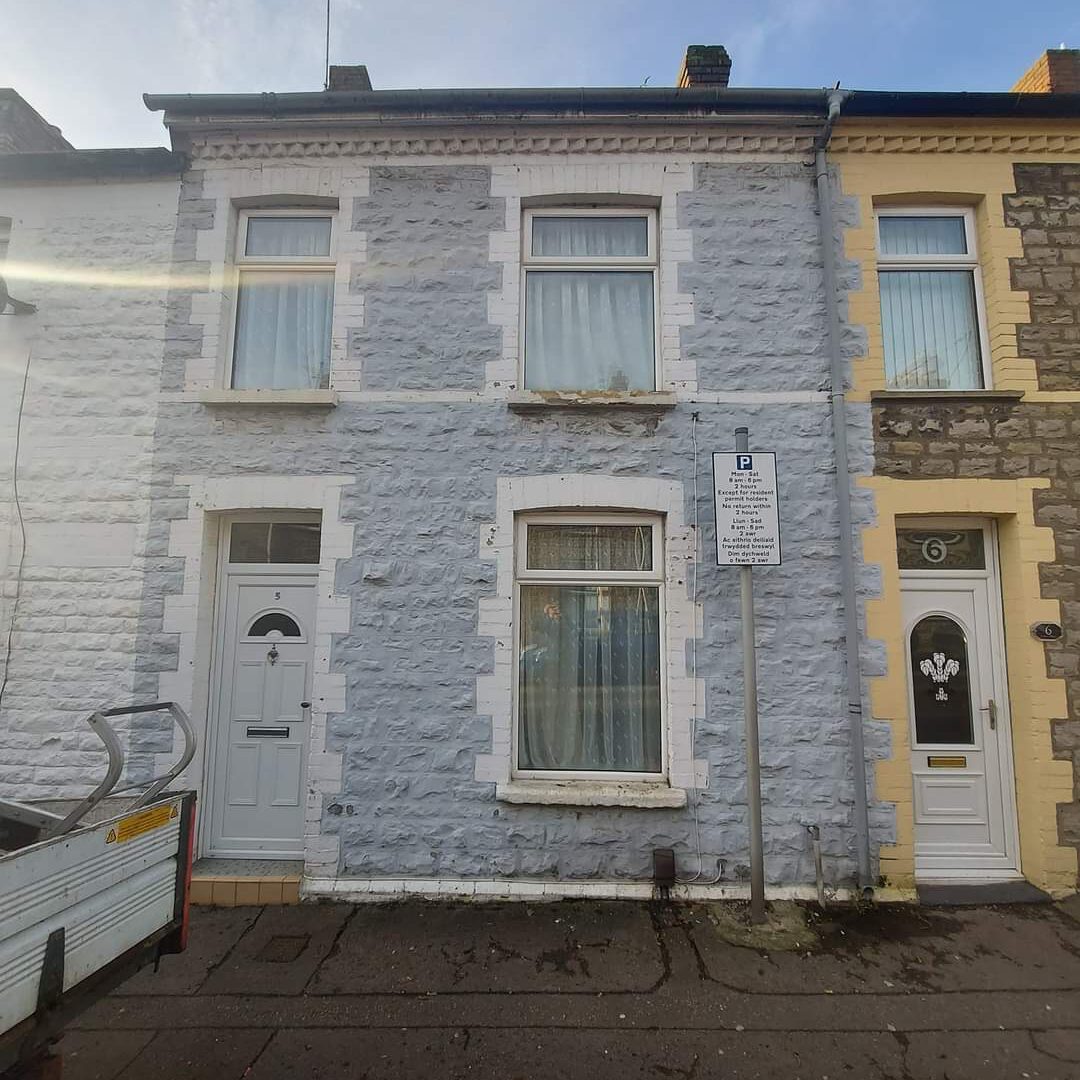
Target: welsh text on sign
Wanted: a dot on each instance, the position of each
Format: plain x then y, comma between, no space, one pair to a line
747,515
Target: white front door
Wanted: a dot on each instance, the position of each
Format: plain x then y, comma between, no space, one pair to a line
263,713
965,818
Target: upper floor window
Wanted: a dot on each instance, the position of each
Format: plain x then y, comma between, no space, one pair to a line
931,299
5,236
589,604
590,299
284,301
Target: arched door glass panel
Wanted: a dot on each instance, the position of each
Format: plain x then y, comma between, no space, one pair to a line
274,620
940,681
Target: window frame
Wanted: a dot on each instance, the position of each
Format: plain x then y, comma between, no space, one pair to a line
255,264
968,262
654,578
531,264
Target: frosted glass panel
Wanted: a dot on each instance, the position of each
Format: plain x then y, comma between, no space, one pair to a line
275,237
589,330
283,330
922,235
584,237
930,328
274,542
940,682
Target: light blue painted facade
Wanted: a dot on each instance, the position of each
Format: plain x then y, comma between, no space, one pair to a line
425,485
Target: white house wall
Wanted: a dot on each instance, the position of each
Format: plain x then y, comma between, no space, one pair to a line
95,259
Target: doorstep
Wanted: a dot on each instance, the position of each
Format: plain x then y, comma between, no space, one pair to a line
240,882
971,894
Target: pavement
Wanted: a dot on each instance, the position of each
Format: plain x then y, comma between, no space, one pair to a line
596,990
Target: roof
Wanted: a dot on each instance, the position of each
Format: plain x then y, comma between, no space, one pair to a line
590,103
139,163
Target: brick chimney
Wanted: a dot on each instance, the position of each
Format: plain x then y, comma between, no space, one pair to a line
349,77
1057,71
705,65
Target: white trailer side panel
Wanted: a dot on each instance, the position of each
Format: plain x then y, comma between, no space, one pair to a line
110,886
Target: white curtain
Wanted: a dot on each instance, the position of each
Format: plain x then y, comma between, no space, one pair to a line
930,328
283,330
278,237
589,330
283,316
579,237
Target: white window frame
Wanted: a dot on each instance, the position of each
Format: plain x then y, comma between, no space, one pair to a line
653,578
531,263
253,264
968,262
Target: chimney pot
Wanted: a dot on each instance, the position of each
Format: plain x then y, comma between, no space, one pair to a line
1057,71
349,77
705,65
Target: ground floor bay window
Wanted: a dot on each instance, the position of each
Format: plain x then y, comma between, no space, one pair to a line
590,612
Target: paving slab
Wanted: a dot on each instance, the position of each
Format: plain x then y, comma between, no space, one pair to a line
89,1056
280,952
570,1055
904,950
215,933
586,947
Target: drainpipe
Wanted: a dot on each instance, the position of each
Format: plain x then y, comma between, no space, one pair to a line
834,100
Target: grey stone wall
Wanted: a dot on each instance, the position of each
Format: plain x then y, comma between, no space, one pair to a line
426,479
427,267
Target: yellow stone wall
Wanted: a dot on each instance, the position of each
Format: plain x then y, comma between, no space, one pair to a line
969,165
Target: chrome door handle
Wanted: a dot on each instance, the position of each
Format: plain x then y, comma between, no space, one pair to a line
991,710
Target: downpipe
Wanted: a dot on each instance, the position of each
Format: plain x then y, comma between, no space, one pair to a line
826,223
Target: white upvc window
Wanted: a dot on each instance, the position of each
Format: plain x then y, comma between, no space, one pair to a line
590,299
933,321
284,300
589,613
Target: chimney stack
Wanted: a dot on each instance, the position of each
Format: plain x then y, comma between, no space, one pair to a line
1057,71
349,77
705,65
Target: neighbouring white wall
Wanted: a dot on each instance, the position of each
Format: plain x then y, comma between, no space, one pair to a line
94,257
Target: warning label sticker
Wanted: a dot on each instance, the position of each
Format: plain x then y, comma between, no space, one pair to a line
143,822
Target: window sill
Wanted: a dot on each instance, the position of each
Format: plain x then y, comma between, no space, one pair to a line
946,395
591,793
576,399
318,398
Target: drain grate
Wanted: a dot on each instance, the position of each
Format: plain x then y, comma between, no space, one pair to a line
283,948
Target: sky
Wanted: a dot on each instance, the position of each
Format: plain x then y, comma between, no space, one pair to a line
85,65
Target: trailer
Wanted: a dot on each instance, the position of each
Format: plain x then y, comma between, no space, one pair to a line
85,903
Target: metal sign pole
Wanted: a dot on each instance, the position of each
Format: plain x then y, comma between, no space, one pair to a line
753,759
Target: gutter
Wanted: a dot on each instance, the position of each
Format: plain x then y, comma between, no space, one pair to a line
835,100
137,163
649,101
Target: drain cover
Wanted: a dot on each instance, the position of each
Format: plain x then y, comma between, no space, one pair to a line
283,948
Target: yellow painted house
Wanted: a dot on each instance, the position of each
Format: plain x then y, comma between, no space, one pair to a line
967,245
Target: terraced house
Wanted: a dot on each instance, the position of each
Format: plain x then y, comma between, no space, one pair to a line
968,244
428,545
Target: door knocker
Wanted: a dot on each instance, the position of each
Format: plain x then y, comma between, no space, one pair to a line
272,655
